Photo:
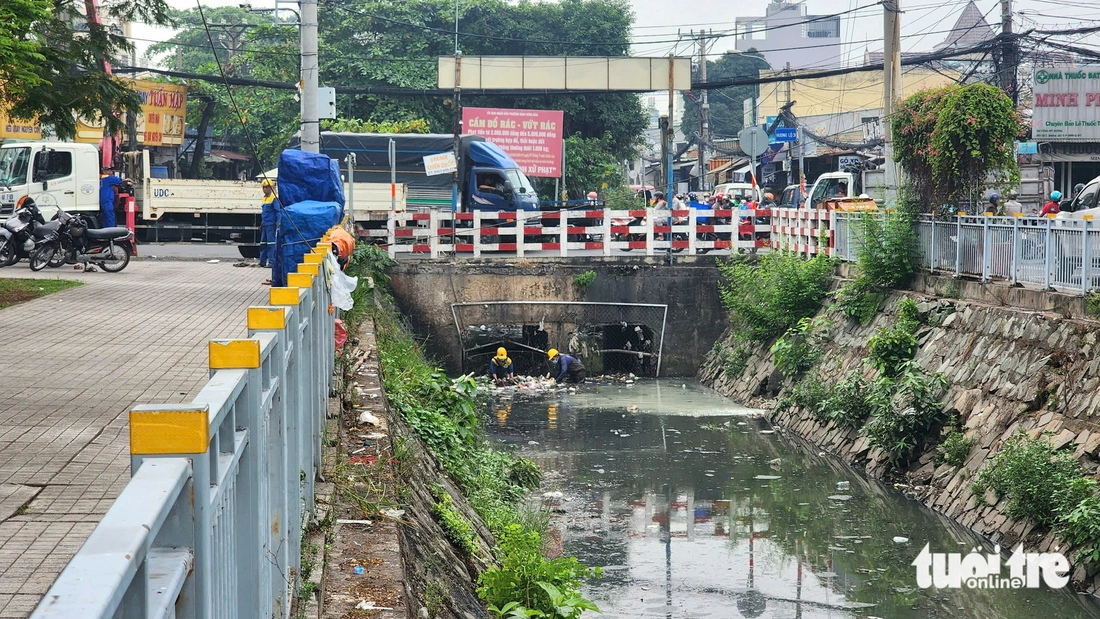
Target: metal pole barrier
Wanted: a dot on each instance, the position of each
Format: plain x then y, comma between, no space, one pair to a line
1085,280
958,245
932,251
1015,250
1048,258
987,249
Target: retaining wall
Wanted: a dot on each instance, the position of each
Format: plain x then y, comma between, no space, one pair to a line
1009,369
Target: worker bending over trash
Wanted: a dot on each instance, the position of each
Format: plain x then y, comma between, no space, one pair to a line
501,369
569,367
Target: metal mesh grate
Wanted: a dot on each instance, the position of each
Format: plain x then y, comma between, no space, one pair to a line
610,338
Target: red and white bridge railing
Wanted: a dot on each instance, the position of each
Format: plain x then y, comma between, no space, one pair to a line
688,230
804,231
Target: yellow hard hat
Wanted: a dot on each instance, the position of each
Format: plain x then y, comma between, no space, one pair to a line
501,352
553,352
267,182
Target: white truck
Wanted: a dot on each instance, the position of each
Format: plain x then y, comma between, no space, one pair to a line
66,175
835,184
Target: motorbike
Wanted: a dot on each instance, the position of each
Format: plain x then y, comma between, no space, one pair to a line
73,242
17,238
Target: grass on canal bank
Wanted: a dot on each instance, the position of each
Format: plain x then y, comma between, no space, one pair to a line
16,291
443,412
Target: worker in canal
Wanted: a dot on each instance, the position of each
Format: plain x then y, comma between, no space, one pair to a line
569,368
501,368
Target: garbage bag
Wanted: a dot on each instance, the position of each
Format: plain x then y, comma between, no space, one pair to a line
342,287
309,176
300,228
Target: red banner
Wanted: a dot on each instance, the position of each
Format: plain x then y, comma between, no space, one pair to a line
532,137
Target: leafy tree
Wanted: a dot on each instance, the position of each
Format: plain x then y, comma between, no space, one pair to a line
955,142
351,125
590,165
726,104
49,69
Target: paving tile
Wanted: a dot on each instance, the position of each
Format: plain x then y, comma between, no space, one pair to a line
137,337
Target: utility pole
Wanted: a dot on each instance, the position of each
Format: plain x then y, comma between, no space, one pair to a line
1009,53
891,69
704,116
311,125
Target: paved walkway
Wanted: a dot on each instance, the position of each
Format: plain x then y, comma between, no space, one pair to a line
71,365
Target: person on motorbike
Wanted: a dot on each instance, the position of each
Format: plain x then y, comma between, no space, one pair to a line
1052,207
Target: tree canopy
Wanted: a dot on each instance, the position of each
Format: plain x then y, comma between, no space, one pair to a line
726,104
51,60
396,43
957,141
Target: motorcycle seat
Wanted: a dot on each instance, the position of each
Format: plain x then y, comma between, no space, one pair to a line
107,233
41,231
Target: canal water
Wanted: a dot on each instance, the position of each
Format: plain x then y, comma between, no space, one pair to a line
695,507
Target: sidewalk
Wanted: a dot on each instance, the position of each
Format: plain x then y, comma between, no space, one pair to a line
71,365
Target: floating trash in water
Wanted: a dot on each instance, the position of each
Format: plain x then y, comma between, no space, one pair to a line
768,477
827,574
709,474
623,435
840,497
843,485
600,471
775,463
556,494
532,442
633,408
901,540
767,431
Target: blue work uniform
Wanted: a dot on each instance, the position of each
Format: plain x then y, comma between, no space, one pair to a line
268,218
107,199
499,368
572,368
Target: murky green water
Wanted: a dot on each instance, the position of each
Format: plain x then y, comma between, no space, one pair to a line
695,508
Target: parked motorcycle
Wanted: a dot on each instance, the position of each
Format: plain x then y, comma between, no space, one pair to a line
17,238
73,242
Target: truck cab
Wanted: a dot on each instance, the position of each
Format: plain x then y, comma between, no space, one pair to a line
494,181
55,175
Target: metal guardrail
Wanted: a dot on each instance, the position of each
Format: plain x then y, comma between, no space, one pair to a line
1053,253
210,524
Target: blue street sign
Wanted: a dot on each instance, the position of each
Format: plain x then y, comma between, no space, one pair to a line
785,134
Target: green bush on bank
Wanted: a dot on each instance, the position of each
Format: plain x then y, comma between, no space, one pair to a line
443,414
887,255
766,295
1047,487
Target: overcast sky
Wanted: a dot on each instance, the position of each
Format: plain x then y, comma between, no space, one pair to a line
924,23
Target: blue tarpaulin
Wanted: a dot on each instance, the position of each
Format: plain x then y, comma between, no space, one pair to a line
301,226
309,176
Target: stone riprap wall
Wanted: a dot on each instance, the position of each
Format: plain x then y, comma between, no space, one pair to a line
1009,369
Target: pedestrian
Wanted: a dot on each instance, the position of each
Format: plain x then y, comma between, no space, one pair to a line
501,368
569,367
268,216
108,196
1012,205
1052,208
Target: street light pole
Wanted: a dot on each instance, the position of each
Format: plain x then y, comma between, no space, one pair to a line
311,127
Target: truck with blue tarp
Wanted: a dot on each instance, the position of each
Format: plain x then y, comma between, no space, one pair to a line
488,179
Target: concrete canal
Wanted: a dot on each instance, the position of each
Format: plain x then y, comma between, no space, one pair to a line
695,508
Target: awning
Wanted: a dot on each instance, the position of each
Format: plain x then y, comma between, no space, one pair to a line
229,155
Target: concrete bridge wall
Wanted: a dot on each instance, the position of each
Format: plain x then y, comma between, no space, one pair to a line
425,291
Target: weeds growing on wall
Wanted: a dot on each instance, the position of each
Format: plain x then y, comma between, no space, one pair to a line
1047,487
888,258
907,411
584,280
443,414
891,347
954,449
769,294
800,347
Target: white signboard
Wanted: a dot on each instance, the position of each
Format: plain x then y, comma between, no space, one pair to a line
848,160
440,163
1067,104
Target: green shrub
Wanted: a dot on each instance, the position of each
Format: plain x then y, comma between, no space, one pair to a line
890,349
522,577
847,402
769,294
584,280
1038,482
1081,528
860,300
908,315
887,248
906,409
799,348
456,528
735,360
1092,305
954,449
806,394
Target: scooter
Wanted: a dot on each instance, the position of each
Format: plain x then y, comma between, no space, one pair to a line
17,238
74,242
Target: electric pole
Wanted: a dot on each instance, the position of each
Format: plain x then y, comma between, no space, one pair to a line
704,116
891,73
311,125
1009,55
